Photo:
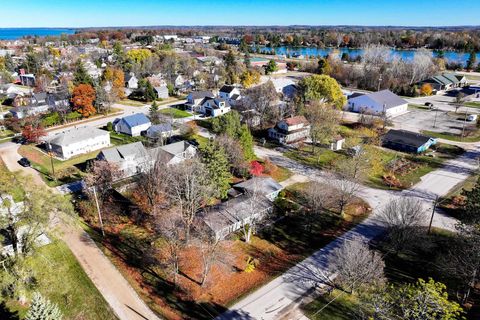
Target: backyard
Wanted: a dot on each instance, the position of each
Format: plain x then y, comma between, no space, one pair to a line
287,239
175,113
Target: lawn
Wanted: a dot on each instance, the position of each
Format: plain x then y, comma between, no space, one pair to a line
131,103
418,106
323,158
120,139
61,279
341,306
66,171
175,113
475,137
473,104
286,240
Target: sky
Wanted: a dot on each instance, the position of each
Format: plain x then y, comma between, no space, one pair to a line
104,13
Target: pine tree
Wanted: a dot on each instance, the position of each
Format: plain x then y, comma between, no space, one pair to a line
472,205
149,94
42,309
246,141
471,60
154,114
216,163
81,76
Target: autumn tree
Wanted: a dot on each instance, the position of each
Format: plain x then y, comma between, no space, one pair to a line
426,89
322,88
249,78
324,121
116,78
324,66
263,100
138,55
151,194
101,176
83,98
33,131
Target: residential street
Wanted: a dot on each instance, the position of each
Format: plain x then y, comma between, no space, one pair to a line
278,297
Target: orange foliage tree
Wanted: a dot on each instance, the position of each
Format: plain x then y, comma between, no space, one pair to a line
426,89
117,78
82,98
33,132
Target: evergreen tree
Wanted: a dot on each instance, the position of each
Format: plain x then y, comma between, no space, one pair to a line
472,205
228,123
246,141
102,103
154,113
218,167
271,67
42,309
81,76
471,60
324,66
149,93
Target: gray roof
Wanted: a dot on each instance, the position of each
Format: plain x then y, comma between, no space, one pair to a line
159,128
407,138
169,151
119,153
264,185
201,94
75,135
387,98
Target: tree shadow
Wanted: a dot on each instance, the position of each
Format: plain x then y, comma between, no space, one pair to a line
6,314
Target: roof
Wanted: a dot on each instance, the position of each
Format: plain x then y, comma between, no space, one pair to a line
119,153
216,102
407,138
136,119
386,98
293,121
451,77
169,151
161,89
162,127
264,185
201,94
75,135
227,88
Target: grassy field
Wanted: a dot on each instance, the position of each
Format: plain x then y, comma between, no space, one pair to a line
65,171
175,113
61,279
120,138
475,137
473,104
131,103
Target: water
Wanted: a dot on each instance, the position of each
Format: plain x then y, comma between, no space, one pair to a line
17,33
451,56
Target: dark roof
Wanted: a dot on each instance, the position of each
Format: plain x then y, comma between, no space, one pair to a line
355,94
136,119
227,88
407,138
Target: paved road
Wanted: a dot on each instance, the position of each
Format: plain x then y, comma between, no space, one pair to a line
276,299
121,297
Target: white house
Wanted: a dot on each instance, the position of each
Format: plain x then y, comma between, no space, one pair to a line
162,130
131,81
214,107
285,86
378,103
290,130
230,94
130,159
132,125
76,141
162,92
195,99
174,153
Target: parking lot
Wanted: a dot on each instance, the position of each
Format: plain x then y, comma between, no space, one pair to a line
417,120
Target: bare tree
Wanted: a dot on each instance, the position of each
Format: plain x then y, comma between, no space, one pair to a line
402,216
208,246
319,198
355,265
263,99
421,66
234,152
324,122
151,190
101,175
346,186
189,189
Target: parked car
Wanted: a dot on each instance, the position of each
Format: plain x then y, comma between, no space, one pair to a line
24,162
472,117
428,104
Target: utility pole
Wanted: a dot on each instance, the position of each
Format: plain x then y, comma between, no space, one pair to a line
435,120
50,153
98,210
464,123
433,213
379,82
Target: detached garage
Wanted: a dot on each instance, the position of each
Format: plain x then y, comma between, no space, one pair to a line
377,103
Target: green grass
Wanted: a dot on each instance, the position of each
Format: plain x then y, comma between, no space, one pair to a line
453,137
175,113
120,138
322,158
61,279
418,106
473,104
343,307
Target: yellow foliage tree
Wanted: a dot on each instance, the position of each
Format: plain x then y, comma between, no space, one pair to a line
426,89
139,55
249,78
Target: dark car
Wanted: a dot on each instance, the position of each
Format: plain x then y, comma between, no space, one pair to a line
428,104
24,162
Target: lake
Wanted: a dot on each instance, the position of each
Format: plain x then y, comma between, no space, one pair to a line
452,56
17,33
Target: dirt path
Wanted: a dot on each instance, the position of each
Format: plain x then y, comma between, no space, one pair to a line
118,293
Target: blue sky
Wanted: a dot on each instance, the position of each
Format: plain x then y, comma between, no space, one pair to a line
100,13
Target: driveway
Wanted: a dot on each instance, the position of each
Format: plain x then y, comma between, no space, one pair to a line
118,293
277,298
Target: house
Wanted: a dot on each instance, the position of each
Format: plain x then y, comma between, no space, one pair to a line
284,86
174,153
162,130
131,81
162,92
27,80
130,159
445,81
26,111
58,101
214,107
290,130
230,93
76,141
337,143
251,201
132,125
378,103
407,141
195,99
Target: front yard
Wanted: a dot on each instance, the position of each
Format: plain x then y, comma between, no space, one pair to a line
175,113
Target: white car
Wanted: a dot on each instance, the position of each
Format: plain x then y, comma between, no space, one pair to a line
472,117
